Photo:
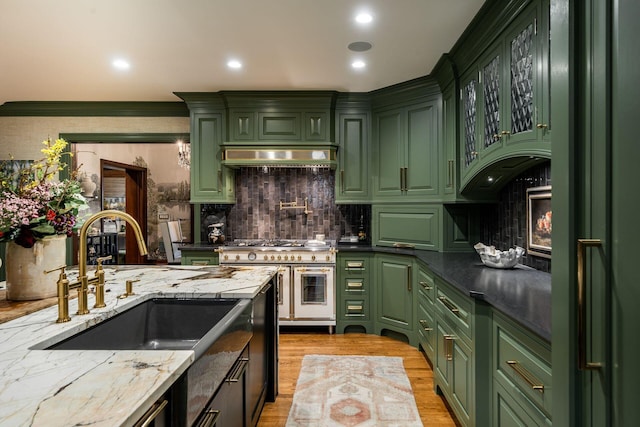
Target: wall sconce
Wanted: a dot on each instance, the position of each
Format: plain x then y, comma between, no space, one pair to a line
184,155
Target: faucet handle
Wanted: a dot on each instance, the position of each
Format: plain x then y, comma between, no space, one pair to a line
61,268
100,260
63,294
129,288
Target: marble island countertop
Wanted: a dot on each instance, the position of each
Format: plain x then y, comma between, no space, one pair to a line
104,388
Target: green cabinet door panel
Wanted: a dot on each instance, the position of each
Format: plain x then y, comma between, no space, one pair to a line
352,175
416,225
449,174
394,296
210,181
406,150
389,157
462,381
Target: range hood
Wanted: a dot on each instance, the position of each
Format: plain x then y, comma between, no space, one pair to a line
292,156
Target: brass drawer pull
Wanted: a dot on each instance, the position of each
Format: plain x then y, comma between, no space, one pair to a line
426,286
238,370
351,308
354,265
526,375
425,326
151,414
583,244
450,306
210,418
448,346
354,285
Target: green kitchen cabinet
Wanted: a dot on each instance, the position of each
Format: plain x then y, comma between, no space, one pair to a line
449,175
352,174
211,182
521,366
425,314
405,152
418,226
198,257
394,289
462,371
504,102
354,292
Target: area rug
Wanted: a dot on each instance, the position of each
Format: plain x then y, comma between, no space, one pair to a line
363,391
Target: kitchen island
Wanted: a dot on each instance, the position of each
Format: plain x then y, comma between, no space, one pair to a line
104,387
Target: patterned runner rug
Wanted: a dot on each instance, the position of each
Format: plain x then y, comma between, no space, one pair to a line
363,391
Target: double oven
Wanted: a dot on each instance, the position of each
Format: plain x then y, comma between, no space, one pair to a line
306,276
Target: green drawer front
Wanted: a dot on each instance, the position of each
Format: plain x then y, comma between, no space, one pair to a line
455,309
354,285
426,328
511,408
356,266
527,371
426,285
355,308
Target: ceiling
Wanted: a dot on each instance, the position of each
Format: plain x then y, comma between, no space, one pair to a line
62,50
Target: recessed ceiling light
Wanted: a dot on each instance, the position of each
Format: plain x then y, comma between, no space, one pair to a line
358,64
359,46
234,63
364,18
121,64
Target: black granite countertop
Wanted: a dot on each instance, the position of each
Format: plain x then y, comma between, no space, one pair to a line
522,293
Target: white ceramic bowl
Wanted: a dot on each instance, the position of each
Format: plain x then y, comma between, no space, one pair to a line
492,257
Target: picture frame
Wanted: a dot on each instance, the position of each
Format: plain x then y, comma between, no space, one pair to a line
539,221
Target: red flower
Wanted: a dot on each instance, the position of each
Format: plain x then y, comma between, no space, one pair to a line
50,215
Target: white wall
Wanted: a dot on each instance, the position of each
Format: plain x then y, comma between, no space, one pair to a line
21,137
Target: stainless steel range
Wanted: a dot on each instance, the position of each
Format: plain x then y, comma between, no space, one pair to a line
306,277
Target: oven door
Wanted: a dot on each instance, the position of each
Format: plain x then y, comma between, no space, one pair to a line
284,293
313,292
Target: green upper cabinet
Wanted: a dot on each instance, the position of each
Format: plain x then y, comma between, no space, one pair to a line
449,138
504,103
210,181
405,146
279,117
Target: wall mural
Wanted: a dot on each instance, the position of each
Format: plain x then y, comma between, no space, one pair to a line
167,184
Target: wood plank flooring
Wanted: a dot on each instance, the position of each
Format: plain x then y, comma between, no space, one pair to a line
294,345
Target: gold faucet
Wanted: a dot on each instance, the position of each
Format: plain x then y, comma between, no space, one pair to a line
83,282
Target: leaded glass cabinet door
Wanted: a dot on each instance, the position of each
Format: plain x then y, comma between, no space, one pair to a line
524,80
493,109
469,122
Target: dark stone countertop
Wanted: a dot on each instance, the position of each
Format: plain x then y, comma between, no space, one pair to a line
522,293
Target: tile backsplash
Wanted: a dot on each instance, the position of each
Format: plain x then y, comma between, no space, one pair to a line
504,225
257,214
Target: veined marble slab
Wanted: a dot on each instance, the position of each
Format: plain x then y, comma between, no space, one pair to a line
104,388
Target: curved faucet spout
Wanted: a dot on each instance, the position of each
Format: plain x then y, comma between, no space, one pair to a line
109,213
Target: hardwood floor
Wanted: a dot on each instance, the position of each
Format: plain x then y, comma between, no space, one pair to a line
293,346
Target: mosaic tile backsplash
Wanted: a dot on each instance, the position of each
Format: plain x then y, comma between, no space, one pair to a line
257,214
504,225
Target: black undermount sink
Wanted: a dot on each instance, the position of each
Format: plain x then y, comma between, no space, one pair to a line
164,324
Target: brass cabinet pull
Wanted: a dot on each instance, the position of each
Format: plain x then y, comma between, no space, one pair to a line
426,286
583,244
425,326
409,278
354,285
280,280
342,181
401,179
219,181
151,414
505,132
450,306
238,370
354,265
448,346
210,418
406,185
526,375
541,125
354,308
450,174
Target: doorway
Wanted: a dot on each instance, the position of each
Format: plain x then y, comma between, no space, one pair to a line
124,188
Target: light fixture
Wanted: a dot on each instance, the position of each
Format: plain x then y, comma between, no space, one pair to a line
358,64
121,64
364,18
184,155
234,63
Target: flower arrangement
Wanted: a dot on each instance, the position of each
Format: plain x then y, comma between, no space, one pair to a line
33,204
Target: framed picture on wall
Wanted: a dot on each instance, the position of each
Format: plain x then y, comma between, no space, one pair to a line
539,221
